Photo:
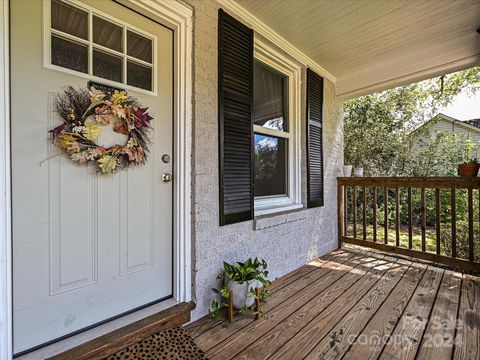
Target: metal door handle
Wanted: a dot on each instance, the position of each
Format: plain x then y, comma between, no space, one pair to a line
167,177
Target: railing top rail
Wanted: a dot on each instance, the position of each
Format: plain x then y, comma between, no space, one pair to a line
449,182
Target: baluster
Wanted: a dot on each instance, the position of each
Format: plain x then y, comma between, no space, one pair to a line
437,218
424,217
410,231
454,224
374,210
345,210
355,212
385,215
397,216
364,212
470,224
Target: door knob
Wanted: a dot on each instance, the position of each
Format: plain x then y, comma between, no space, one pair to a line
166,177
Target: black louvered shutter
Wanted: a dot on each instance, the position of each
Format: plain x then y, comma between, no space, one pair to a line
314,139
235,100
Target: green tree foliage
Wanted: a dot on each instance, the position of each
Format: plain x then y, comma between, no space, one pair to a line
378,127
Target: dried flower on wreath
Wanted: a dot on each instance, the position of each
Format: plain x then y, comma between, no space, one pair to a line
85,113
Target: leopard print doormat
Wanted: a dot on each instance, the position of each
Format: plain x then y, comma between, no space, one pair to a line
171,344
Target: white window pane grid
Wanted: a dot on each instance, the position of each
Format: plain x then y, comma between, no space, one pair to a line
272,132
107,50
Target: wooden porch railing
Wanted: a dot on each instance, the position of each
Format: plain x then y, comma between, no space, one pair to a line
358,199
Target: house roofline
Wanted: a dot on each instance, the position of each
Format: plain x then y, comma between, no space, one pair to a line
449,119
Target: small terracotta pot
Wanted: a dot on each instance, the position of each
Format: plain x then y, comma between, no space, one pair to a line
470,170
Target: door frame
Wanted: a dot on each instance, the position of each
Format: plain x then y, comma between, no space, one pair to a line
177,17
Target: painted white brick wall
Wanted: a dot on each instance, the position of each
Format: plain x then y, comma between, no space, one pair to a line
285,241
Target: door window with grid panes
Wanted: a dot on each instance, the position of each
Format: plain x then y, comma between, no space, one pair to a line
85,41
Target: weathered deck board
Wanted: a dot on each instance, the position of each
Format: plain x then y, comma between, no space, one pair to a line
303,342
467,341
306,300
278,288
439,336
334,345
410,328
294,300
350,305
368,345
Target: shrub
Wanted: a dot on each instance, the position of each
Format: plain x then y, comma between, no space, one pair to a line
462,240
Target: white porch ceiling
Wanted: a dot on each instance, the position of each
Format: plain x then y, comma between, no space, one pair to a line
370,45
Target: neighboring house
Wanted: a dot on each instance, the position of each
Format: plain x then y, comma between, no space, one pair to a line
246,99
464,129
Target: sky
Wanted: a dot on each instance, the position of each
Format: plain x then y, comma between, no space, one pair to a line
464,107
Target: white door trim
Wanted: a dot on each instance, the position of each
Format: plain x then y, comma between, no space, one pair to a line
178,17
6,338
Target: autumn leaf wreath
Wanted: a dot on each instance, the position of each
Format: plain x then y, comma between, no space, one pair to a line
85,113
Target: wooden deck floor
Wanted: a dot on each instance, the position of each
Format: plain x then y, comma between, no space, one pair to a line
356,305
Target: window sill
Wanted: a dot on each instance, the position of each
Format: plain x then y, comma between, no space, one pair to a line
262,211
279,216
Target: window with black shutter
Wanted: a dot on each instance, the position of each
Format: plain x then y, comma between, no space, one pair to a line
235,91
259,121
314,140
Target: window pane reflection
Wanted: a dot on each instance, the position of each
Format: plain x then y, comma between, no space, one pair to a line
69,19
69,54
269,98
107,34
139,46
270,165
107,66
139,76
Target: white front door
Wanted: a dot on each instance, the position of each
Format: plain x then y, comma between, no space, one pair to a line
86,247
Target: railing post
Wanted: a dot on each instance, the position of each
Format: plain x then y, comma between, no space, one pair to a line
385,214
470,225
453,204
364,212
345,210
374,210
340,213
354,198
437,219
424,217
397,216
410,225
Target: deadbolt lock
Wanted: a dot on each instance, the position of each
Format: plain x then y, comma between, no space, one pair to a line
166,158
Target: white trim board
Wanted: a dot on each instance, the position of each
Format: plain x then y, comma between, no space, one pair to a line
177,17
6,334
344,84
267,32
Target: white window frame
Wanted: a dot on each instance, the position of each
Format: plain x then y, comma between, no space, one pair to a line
47,51
278,61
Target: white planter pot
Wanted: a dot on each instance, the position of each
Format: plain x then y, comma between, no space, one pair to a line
241,294
358,172
347,170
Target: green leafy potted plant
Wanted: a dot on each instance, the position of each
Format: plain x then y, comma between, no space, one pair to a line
470,165
241,279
